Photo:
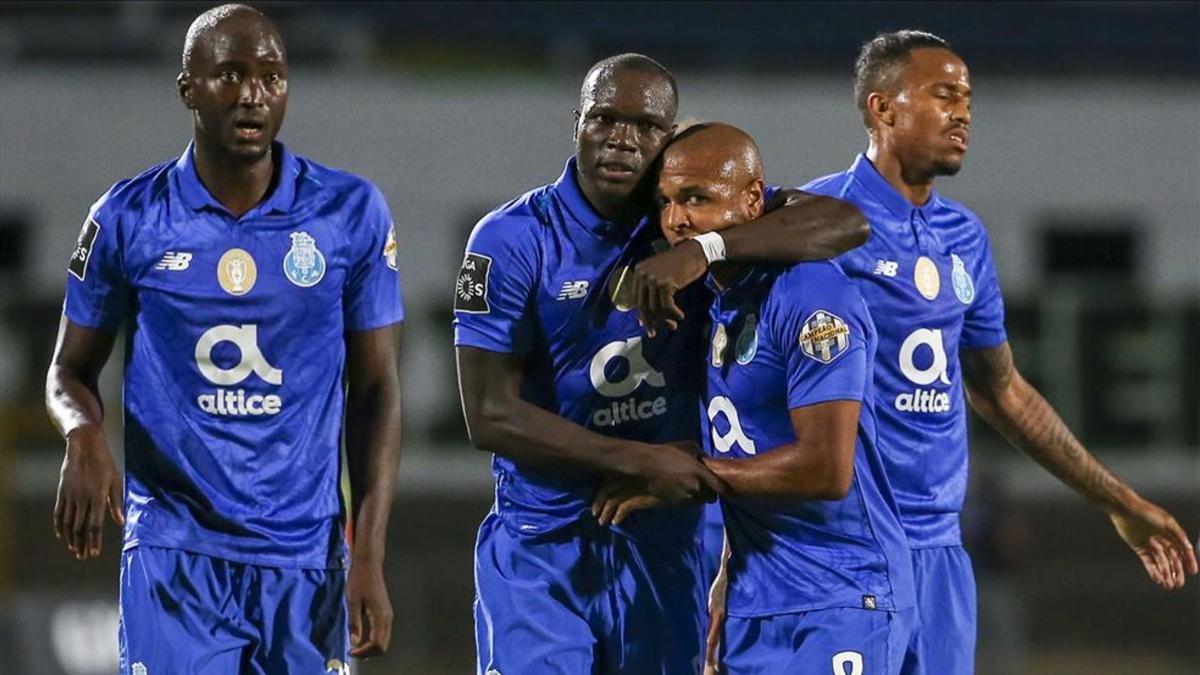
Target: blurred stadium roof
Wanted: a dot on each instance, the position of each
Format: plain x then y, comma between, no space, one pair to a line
1151,39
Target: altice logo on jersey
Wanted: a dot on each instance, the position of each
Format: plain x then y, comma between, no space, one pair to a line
640,371
236,402
924,400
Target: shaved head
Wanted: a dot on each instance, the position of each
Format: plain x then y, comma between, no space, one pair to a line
717,149
605,71
229,19
711,179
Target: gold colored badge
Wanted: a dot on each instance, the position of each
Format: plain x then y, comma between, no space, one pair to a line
236,272
620,289
926,276
719,342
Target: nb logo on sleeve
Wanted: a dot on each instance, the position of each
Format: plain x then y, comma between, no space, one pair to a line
639,371
930,344
723,443
236,402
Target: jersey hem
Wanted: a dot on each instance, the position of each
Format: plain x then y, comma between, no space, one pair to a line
213,552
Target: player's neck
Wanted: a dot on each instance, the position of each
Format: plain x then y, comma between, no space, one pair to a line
237,186
913,187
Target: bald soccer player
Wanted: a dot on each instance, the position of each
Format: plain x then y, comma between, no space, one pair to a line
249,281
818,570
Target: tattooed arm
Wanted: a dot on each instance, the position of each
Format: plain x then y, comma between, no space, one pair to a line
1014,408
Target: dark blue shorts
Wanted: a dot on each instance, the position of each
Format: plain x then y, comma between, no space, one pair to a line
190,614
586,600
943,640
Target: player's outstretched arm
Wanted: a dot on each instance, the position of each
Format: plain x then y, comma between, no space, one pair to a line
1014,408
373,458
88,484
500,421
796,227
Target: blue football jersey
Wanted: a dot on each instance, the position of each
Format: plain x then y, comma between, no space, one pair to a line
543,279
786,338
927,276
235,351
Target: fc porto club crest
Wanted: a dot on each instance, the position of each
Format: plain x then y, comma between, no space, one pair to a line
926,277
304,263
236,272
824,336
747,343
964,287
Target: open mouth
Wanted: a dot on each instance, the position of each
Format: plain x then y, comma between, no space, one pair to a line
250,129
616,170
959,139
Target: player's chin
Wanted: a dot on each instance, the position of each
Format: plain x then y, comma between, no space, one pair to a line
248,153
948,165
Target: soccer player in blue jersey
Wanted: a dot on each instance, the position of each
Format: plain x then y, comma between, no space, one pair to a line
929,281
559,381
818,571
249,281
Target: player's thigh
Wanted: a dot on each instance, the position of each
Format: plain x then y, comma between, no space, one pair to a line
943,639
531,596
658,600
830,641
301,619
178,615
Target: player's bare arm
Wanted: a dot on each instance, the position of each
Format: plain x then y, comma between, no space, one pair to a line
89,483
819,464
500,421
998,392
796,227
373,458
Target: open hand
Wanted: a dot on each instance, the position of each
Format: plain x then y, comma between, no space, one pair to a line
1159,542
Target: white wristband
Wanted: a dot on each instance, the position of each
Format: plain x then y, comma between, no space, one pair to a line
713,244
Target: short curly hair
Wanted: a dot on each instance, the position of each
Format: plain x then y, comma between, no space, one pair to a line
881,60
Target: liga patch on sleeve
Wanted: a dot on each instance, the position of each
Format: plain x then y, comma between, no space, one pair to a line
83,248
471,288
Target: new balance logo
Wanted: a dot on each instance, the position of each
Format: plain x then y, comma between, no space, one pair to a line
176,261
573,290
887,268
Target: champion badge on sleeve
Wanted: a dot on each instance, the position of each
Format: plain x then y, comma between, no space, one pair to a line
824,337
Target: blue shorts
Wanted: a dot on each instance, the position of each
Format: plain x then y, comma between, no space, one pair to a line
944,639
193,614
842,641
586,600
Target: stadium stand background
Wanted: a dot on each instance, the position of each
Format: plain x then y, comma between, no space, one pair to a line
1085,164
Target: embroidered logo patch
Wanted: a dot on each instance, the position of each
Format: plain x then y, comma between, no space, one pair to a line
83,249
304,264
471,287
824,336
